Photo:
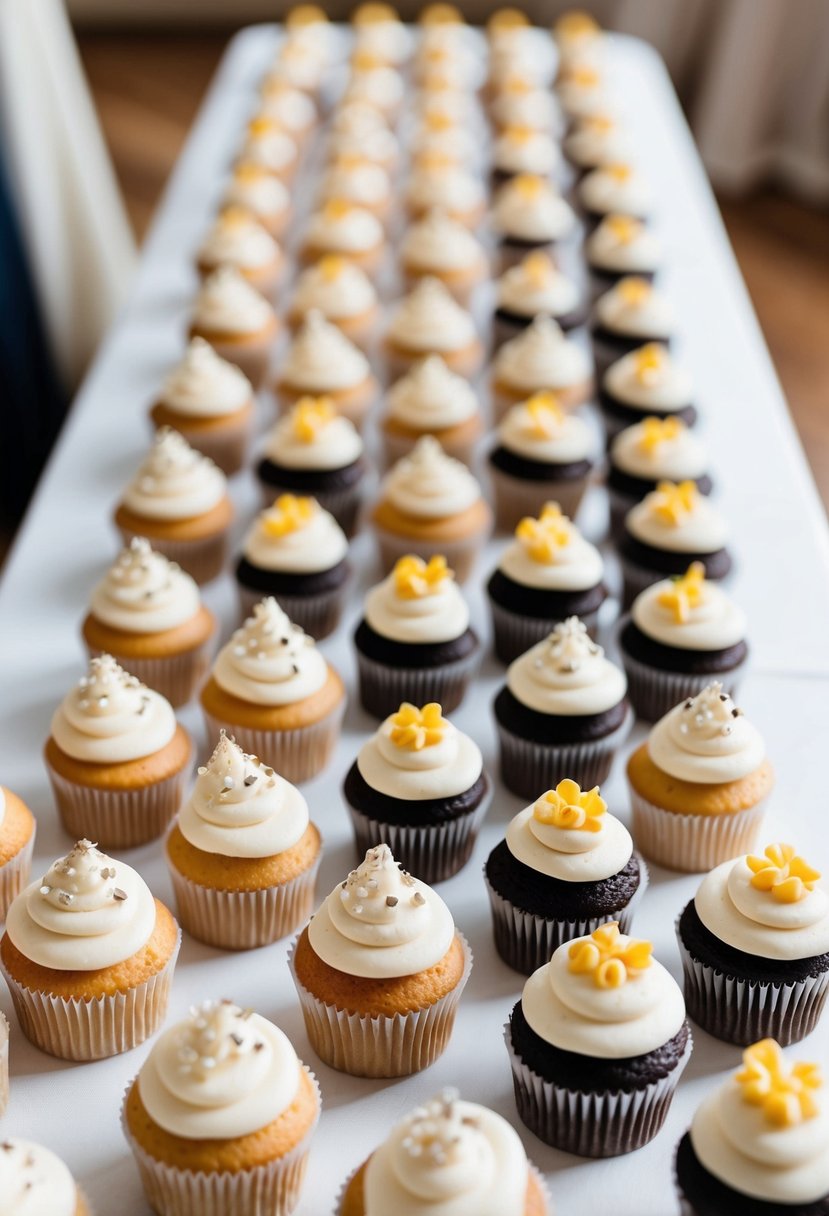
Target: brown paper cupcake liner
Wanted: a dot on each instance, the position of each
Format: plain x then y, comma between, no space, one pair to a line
592,1124
297,755
74,1029
203,559
317,615
178,677
14,875
378,1047
4,1064
383,688
514,498
693,842
513,635
243,920
344,505
652,692
262,1190
461,555
527,767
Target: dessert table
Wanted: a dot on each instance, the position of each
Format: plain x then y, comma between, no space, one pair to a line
781,541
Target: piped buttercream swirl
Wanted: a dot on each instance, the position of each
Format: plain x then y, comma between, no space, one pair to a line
174,481
656,449
269,660
295,536
203,385
228,304
567,834
566,674
622,244
618,188
428,484
690,612
421,610
431,395
345,228
649,379
634,308
538,429
34,1181
321,359
238,239
312,435
677,518
335,287
706,739
437,243
430,321
144,592
529,208
536,285
541,357
551,554
448,763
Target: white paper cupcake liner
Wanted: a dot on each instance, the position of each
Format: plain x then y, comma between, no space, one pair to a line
297,755
74,1029
513,634
383,688
743,1012
461,555
4,1064
14,875
528,768
515,498
203,559
243,920
693,842
177,677
263,1190
317,615
378,1047
592,1124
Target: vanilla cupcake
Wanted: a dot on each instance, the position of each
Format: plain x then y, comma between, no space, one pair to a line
617,189
289,107
651,451
88,955
237,321
357,129
178,499
117,758
529,214
321,361
579,38
237,239
519,149
458,192
430,503
596,140
440,137
274,692
379,31
147,613
342,292
379,971
262,194
532,287
620,246
362,183
211,403
33,1179
344,229
269,146
431,400
243,854
375,83
646,381
221,1115
17,842
631,314
521,103
445,249
541,359
582,91
429,321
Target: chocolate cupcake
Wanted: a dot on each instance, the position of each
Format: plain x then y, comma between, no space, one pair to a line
754,943
650,451
646,381
528,214
562,712
548,573
618,189
414,642
298,553
532,286
565,868
597,1045
619,246
626,317
419,786
541,359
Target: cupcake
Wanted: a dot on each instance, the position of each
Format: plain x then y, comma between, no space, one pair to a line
699,784
669,529
564,868
521,103
535,285
314,451
435,182
620,246
541,359
597,1045
438,137
117,758
297,552
302,61
759,1144
359,130
615,190
414,642
269,146
342,292
429,321
581,89
579,39
548,574
375,83
540,453
211,403
221,1115
629,315
274,692
292,109
379,971
681,634
344,229
647,453
379,30
529,214
88,955
17,842
463,1153
361,183
430,503
444,249
237,321
754,943
597,140
243,854
34,1178
647,381
237,239
321,361
520,149
178,500
431,400
147,613
263,195
562,712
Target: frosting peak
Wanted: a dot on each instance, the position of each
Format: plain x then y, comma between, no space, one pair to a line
174,481
432,395
429,484
429,319
297,536
418,602
567,673
144,592
312,435
706,739
322,359
270,661
205,385
567,834
228,303
541,357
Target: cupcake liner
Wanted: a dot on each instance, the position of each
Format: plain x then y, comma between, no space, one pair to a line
515,498
744,1011
177,677
119,819
14,875
528,767
243,920
317,615
252,357
203,558
653,692
4,1064
74,1029
526,941
592,1124
227,446
693,842
378,1047
461,555
263,1190
297,755
514,634
433,852
383,688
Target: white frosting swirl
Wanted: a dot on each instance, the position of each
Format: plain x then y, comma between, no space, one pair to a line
253,187
438,243
321,359
316,543
574,566
566,674
677,456
712,621
536,286
238,239
649,379
336,287
634,308
228,304
174,481
381,923
545,435
204,385
617,188
377,86
431,395
430,321
569,854
623,245
453,189
343,228
525,150
270,661
541,357
526,107
699,528
386,38
86,913
34,1182
266,144
442,769
707,740
597,140
334,443
428,484
360,182
439,615
144,592
287,106
377,144
109,717
529,208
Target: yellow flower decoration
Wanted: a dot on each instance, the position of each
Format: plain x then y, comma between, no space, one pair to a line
609,957
507,19
331,266
538,268
261,125
365,61
656,431
441,14
634,290
583,75
414,578
785,1094
684,593
310,415
781,872
519,134
545,413
337,208
543,537
576,23
649,361
438,122
517,85
672,502
528,185
304,14
600,123
570,807
288,514
369,14
623,227
413,729
619,173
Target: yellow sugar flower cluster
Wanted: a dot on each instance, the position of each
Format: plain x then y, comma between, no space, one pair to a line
656,431
546,414
570,807
673,502
331,266
310,415
609,957
288,514
412,729
414,578
784,1093
633,290
685,593
624,228
528,185
782,873
649,360
543,537
539,268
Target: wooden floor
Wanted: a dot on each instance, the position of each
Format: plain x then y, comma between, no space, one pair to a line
148,87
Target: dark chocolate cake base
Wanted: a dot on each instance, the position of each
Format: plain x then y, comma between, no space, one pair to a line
391,672
703,1194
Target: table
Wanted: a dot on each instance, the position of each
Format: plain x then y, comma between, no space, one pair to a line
67,540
